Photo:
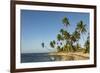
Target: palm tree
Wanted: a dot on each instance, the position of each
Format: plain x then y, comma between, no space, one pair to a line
66,35
42,44
75,36
59,37
72,38
69,41
62,31
65,21
81,27
52,44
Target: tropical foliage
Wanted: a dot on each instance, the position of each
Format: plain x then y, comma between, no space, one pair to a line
69,41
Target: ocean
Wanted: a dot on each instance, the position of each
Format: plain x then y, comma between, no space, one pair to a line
37,57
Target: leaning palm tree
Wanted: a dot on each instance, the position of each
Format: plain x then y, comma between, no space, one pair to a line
81,27
76,36
66,35
72,40
69,41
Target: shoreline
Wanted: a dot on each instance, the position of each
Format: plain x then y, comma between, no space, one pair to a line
64,56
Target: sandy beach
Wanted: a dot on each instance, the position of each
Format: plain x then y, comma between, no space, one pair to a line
64,56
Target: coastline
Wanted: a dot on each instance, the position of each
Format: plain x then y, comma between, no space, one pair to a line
65,56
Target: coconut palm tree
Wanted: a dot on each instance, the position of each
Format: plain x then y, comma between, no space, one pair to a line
44,46
75,36
81,27
59,37
72,38
52,44
62,31
66,35
65,21
69,39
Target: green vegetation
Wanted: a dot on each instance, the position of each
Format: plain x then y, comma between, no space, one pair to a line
87,45
69,41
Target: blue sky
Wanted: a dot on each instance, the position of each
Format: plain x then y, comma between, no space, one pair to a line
43,26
